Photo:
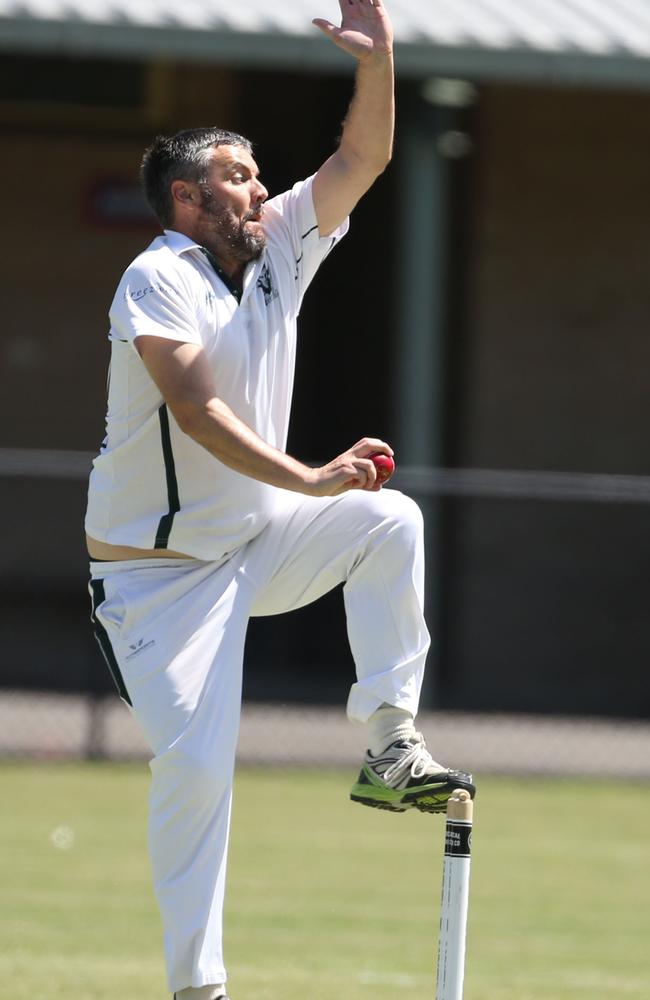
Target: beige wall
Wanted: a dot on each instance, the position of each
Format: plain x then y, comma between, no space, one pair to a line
58,278
59,268
545,603
559,350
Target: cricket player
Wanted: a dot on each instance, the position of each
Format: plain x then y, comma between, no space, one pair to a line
198,518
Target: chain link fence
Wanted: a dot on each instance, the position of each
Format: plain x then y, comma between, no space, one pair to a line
44,726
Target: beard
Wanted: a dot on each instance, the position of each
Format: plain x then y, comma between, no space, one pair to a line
227,236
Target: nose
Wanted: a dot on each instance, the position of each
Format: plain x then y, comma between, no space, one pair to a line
261,194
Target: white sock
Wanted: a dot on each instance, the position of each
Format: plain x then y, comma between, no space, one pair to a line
201,993
387,725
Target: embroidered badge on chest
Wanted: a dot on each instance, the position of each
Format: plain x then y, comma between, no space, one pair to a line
265,282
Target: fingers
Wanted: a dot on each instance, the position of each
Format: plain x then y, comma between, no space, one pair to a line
368,446
353,470
357,474
367,473
350,474
325,26
346,4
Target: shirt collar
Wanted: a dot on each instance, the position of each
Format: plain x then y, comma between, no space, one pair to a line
179,243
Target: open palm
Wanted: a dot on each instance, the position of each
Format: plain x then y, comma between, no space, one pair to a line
365,28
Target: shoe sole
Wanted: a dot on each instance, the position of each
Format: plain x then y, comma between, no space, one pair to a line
425,801
432,799
375,804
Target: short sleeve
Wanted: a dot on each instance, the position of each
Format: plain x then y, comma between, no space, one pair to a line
148,303
292,224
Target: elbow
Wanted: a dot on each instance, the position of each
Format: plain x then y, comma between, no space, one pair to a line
366,165
373,169
385,160
189,417
383,164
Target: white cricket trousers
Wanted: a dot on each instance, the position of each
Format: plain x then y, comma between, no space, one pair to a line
173,630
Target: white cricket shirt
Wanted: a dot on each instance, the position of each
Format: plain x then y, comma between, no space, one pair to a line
152,486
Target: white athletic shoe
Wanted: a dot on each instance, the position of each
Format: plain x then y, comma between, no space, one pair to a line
405,776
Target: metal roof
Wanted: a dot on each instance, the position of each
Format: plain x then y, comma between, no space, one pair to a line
579,41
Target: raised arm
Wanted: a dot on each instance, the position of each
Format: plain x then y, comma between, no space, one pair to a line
367,140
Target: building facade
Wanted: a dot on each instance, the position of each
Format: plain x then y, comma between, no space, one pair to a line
495,320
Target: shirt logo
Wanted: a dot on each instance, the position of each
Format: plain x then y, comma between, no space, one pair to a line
265,282
139,647
139,293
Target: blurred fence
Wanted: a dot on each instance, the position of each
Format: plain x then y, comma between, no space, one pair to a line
52,727
56,725
494,483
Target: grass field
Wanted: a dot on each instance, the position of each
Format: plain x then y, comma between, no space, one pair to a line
328,899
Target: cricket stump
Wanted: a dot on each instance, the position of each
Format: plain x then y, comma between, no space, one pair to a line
455,897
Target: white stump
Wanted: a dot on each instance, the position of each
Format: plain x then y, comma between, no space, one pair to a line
455,897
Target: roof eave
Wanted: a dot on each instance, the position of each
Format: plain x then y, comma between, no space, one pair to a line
126,40
525,65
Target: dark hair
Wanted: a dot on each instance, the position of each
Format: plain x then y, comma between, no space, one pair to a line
184,156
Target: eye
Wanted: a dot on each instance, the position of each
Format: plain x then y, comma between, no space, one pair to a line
237,178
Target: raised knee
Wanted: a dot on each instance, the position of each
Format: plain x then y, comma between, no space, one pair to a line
403,512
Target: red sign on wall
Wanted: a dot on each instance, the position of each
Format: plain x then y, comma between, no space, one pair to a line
118,203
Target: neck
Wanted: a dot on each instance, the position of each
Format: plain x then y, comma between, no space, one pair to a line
235,281
233,269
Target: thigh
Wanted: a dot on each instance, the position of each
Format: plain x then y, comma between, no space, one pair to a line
177,634
312,544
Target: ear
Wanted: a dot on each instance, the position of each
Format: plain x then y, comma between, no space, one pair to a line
184,194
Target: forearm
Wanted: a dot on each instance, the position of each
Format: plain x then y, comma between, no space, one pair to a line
367,138
217,429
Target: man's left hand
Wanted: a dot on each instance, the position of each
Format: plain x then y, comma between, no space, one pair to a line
365,31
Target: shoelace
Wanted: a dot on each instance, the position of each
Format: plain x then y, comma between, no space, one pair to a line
417,761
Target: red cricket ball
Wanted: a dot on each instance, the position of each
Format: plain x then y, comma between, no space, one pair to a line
384,465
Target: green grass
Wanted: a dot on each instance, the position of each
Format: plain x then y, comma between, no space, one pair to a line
328,899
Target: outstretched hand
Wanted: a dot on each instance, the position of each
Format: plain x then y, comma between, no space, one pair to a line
365,30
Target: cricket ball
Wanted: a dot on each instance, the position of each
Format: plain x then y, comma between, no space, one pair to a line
384,465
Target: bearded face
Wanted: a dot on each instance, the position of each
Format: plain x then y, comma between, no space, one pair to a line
240,238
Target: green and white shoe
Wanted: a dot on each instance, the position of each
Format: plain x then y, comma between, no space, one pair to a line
405,776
